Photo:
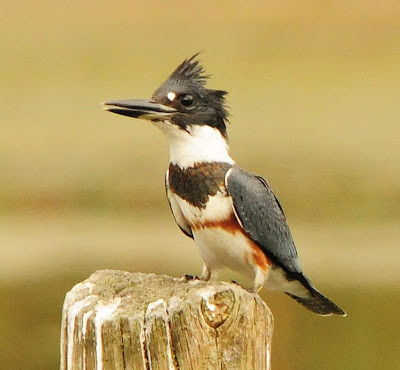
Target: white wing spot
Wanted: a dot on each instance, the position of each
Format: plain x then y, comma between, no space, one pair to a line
171,96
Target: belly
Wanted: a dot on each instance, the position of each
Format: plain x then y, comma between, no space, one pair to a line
220,248
221,240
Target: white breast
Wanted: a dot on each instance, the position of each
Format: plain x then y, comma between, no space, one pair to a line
219,207
219,248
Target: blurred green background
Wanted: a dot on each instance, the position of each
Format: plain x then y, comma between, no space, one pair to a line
315,103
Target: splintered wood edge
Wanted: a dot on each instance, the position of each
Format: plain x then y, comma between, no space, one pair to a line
127,319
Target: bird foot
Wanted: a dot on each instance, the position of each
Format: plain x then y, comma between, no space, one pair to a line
188,277
254,290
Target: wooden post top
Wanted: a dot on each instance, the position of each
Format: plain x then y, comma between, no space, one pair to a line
122,320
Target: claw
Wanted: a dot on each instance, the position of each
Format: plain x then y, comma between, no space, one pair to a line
255,290
188,277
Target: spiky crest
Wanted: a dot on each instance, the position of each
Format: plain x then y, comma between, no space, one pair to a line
190,71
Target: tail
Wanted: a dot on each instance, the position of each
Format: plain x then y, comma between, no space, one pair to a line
318,303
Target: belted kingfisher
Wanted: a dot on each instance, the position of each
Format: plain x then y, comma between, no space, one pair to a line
232,215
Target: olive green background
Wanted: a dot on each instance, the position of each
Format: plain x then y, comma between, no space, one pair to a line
315,108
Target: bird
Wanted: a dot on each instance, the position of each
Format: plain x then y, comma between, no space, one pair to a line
232,215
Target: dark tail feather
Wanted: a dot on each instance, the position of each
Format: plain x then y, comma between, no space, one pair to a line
319,304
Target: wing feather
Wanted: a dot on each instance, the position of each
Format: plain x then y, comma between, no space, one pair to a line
262,217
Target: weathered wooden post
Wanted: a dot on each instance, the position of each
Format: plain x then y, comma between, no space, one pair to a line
120,320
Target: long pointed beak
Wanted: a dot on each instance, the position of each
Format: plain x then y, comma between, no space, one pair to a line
145,109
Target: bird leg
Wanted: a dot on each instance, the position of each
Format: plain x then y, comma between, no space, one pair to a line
259,279
206,274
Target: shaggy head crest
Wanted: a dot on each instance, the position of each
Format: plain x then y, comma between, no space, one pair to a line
190,71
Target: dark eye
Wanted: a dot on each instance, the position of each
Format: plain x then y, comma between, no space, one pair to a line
187,100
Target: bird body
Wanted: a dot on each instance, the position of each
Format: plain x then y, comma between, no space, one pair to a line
232,215
210,219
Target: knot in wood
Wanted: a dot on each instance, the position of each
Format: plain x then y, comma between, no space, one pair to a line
217,307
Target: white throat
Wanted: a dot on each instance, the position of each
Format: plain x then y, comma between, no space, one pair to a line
201,144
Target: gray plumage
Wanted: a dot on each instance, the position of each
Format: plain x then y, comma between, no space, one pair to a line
262,217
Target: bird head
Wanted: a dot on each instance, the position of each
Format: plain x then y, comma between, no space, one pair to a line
182,101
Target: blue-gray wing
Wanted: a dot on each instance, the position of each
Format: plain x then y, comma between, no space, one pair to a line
262,217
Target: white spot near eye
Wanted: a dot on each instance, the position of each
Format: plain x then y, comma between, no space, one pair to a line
171,96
